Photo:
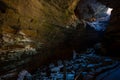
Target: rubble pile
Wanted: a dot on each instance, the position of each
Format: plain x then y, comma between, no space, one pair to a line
15,50
82,67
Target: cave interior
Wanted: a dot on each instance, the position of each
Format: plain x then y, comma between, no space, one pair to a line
59,40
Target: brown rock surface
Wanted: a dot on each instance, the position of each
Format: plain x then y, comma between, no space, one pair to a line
26,25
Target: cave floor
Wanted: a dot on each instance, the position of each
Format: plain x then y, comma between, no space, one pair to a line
87,66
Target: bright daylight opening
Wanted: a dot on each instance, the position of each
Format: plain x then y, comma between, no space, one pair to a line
101,23
109,11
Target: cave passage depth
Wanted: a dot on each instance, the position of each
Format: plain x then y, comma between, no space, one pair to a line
59,40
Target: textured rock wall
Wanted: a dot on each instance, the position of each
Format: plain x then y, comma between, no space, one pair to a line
89,9
36,19
29,25
111,41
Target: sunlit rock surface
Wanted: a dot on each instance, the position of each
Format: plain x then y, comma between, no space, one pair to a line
101,23
29,25
90,10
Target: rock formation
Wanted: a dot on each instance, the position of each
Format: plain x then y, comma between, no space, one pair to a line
35,31
111,41
29,27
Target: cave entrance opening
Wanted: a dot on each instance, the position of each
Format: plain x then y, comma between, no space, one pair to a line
93,13
93,18
101,23
109,11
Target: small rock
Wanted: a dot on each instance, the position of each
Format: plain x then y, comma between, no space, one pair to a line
59,62
90,65
108,60
70,76
51,65
55,69
23,74
84,74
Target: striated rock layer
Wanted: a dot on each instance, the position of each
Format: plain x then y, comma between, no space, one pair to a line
29,29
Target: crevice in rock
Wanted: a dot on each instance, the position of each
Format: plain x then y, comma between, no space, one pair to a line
3,7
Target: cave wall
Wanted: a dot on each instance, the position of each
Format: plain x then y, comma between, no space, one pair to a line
35,31
90,9
36,19
39,22
111,41
31,24
28,27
